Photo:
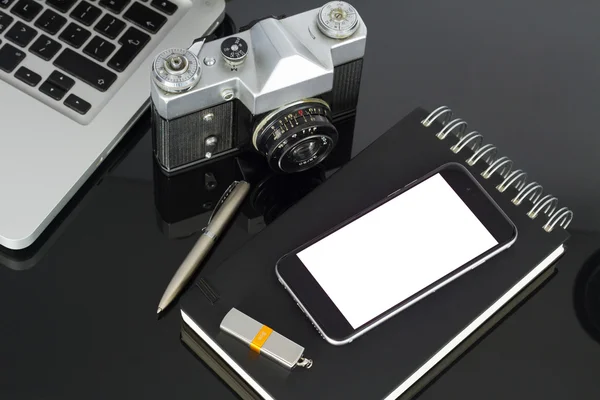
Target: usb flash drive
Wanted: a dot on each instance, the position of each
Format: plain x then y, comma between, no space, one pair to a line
264,340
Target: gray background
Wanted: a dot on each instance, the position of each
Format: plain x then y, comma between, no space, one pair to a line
523,73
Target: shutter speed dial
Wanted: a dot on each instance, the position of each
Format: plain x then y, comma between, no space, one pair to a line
234,50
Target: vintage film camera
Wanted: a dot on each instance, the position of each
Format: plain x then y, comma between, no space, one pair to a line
278,87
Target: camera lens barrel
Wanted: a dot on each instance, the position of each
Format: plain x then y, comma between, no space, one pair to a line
297,136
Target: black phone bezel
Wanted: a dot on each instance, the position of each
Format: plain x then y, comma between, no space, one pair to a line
321,308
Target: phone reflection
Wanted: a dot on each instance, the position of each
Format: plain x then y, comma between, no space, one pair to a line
185,200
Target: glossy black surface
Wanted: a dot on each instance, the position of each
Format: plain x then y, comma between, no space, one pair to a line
79,309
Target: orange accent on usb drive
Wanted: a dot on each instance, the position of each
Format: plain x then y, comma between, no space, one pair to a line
260,338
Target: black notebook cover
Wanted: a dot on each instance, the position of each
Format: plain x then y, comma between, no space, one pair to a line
384,360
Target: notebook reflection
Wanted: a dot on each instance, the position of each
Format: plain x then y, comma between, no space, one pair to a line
184,201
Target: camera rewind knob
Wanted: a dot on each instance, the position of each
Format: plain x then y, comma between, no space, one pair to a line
234,50
338,20
176,70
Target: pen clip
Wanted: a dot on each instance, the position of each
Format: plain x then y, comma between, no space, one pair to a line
226,194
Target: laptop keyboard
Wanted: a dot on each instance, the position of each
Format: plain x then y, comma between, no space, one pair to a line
84,42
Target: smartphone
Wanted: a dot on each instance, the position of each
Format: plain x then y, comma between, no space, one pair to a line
379,262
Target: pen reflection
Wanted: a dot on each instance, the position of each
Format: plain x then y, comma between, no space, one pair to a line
185,200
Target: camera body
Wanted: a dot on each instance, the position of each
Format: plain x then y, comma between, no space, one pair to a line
277,87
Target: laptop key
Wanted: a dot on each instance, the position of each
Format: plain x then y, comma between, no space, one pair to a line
21,34
5,21
115,6
52,90
85,69
45,48
77,104
50,22
99,49
86,13
132,42
109,26
6,3
10,57
165,6
75,35
62,5
28,76
61,80
145,17
27,9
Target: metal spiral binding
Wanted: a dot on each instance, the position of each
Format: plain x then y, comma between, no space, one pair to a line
442,111
532,191
473,139
503,166
562,217
488,151
457,125
518,178
546,204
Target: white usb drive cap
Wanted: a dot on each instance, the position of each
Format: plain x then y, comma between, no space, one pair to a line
264,340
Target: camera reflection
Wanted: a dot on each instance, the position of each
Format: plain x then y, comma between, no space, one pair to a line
184,201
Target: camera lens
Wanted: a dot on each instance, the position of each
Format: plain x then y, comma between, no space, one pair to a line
306,150
297,136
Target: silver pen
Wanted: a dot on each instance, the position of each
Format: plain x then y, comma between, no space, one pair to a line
224,211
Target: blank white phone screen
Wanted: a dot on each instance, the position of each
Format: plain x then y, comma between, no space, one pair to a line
396,250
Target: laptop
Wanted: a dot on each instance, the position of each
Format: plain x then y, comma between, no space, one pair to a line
74,77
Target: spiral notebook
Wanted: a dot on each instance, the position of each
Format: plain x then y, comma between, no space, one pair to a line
406,352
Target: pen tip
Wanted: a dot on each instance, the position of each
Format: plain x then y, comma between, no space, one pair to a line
159,310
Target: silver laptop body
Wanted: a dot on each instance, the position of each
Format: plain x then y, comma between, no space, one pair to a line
47,148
